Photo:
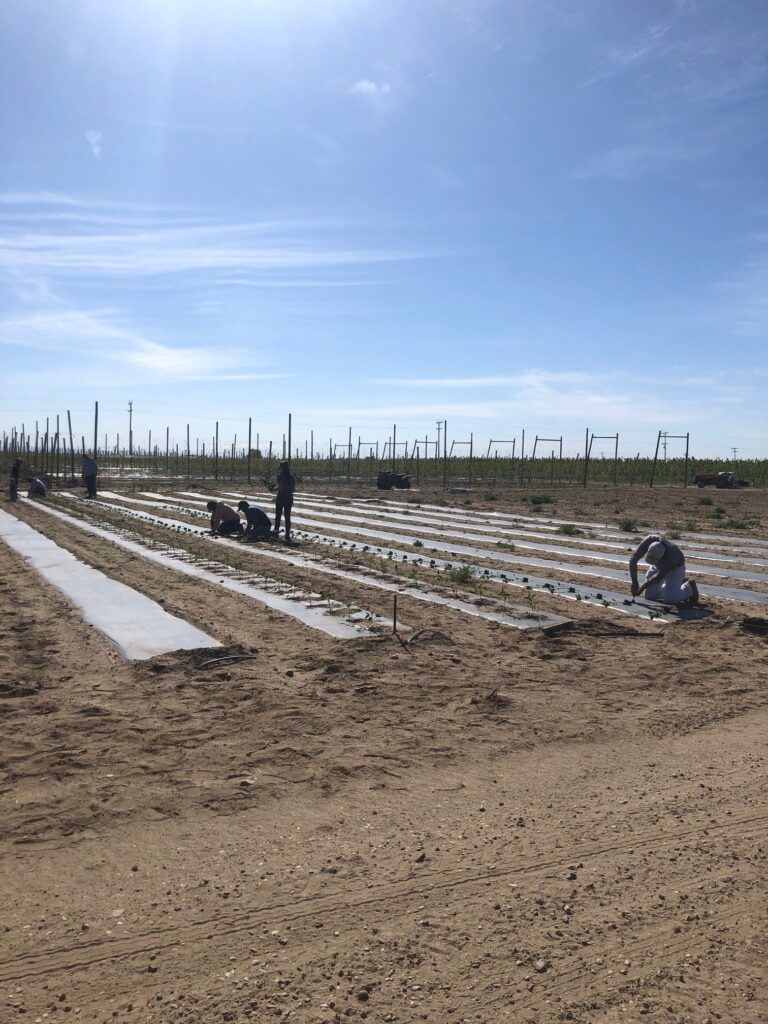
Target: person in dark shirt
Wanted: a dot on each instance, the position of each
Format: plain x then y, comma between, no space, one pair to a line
37,488
224,520
89,475
13,482
284,487
258,525
665,580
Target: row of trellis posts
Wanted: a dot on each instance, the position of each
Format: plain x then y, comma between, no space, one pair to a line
53,449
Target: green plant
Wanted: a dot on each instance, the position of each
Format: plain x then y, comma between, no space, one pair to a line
418,543
490,496
413,501
570,530
706,501
530,600
628,525
736,524
540,499
461,575
674,533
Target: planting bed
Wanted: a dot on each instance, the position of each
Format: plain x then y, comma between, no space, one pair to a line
534,804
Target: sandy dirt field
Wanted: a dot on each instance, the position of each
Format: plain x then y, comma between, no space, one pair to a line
484,825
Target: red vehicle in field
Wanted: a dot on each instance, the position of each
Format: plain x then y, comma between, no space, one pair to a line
725,481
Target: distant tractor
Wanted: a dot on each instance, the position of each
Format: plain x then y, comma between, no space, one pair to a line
725,481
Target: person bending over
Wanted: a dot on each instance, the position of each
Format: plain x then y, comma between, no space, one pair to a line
258,525
224,520
285,487
37,488
665,580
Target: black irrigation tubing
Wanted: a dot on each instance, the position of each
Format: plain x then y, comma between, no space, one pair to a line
230,657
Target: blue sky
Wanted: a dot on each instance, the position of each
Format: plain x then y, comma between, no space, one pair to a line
517,214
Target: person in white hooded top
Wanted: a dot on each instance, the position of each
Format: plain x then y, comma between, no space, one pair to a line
665,580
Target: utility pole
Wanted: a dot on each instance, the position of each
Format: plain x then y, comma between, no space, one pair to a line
439,428
664,443
445,455
734,450
130,428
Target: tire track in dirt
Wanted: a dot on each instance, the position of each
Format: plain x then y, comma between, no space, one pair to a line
73,957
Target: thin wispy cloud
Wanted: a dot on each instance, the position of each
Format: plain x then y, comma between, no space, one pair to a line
633,160
620,59
681,87
531,378
93,138
366,87
744,299
166,246
60,329
101,335
553,405
46,197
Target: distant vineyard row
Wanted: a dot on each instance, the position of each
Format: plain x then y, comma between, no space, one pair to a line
453,470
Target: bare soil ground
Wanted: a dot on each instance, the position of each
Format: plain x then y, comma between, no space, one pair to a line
487,826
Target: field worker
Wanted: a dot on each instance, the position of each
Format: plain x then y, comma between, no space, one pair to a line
89,471
224,520
665,580
258,525
13,482
285,487
37,488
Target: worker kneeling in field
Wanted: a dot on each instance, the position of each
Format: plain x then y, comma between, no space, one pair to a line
224,520
665,580
37,488
258,525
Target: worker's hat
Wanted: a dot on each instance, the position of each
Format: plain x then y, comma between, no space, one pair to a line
655,553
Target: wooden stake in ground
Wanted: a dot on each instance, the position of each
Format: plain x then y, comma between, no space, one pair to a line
586,457
522,457
71,448
95,429
249,449
445,455
655,459
687,441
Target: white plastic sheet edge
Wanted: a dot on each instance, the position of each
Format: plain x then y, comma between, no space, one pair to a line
315,618
135,624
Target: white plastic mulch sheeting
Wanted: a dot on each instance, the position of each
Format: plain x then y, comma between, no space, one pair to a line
137,626
312,616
